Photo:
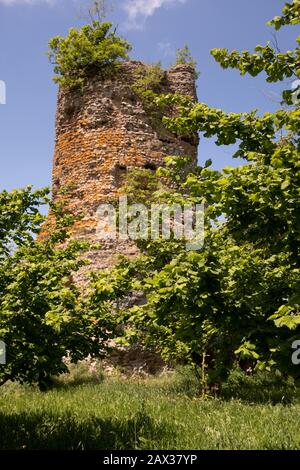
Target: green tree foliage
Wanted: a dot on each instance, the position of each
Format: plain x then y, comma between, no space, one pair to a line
184,56
93,48
291,15
19,217
43,317
238,298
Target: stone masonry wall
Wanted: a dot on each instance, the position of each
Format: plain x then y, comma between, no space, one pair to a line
101,132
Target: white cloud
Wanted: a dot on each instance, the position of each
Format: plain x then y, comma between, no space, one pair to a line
139,10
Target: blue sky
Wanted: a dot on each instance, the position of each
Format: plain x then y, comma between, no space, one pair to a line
156,28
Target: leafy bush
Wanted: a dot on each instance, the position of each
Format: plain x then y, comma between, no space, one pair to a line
20,218
262,387
43,317
93,48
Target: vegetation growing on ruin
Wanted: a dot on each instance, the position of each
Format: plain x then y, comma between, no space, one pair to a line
148,84
184,56
95,48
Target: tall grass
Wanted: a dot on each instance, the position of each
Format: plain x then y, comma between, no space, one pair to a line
158,413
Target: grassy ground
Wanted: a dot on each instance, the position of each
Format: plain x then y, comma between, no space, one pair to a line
161,413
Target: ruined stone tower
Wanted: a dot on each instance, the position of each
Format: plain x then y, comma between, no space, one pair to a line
101,132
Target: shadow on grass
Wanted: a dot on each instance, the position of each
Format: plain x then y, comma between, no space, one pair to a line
261,388
66,432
